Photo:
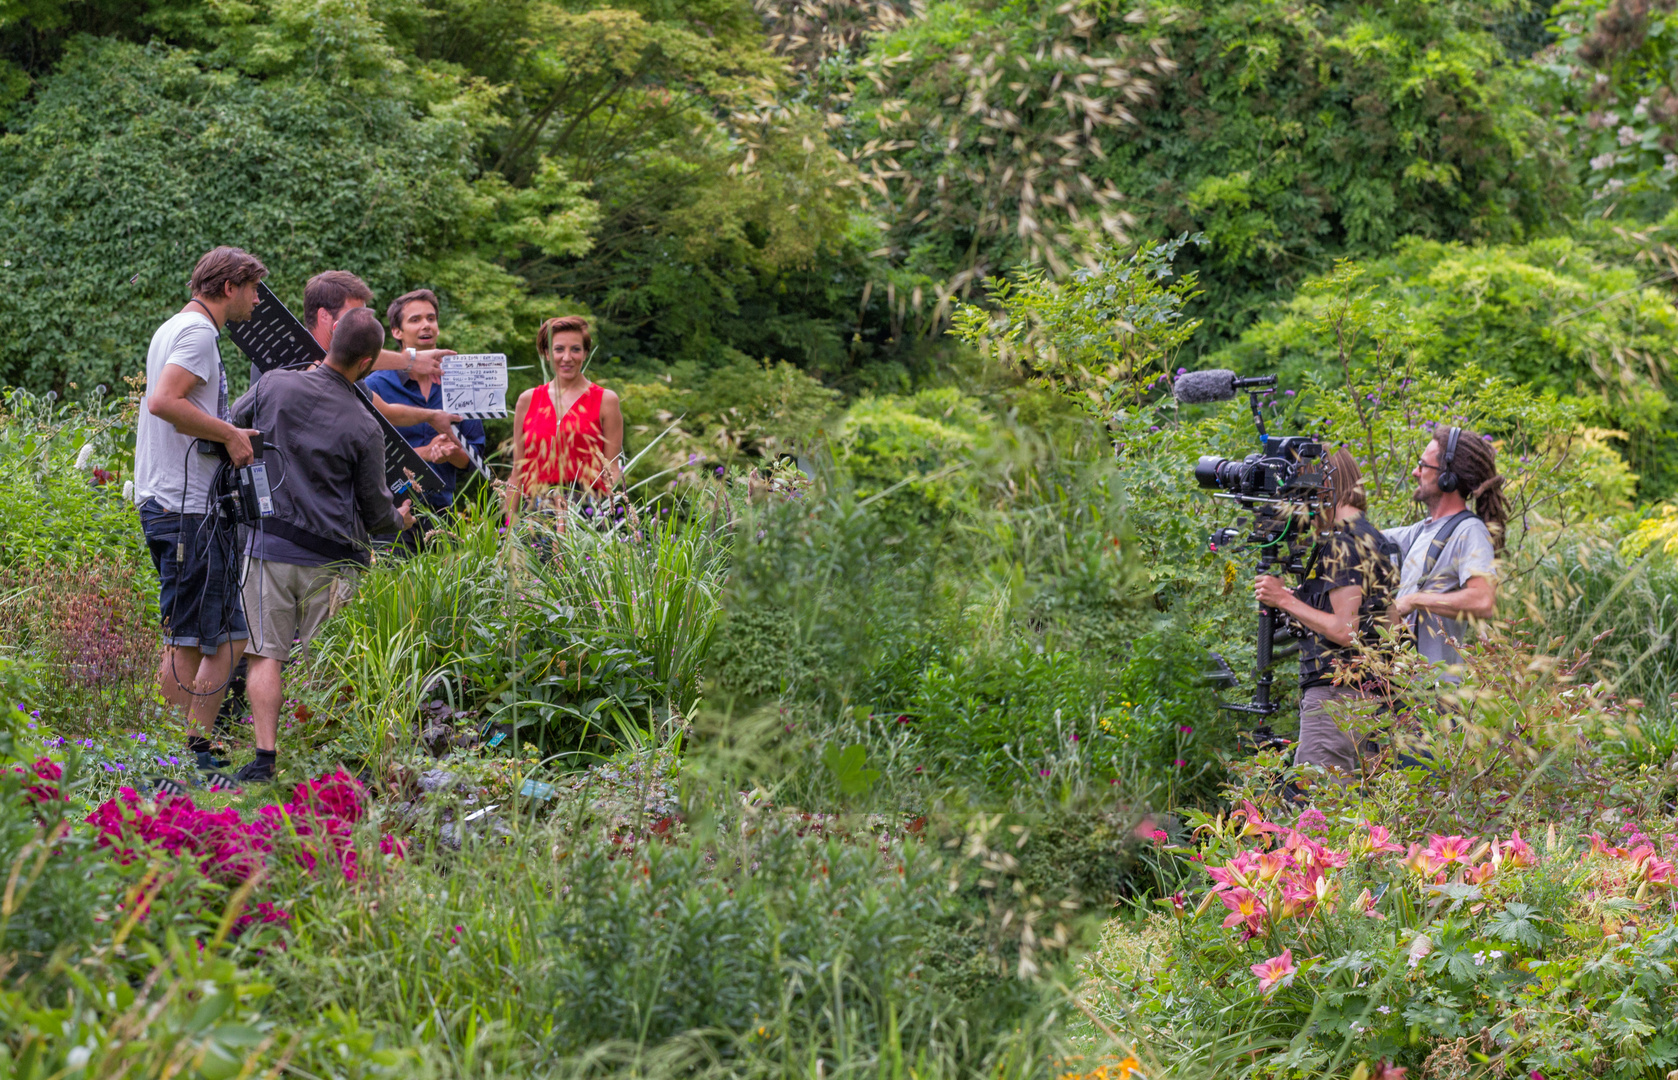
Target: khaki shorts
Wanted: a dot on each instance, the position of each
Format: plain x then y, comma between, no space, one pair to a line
1322,739
284,602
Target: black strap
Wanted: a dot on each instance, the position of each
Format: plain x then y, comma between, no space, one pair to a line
320,545
1440,539
213,321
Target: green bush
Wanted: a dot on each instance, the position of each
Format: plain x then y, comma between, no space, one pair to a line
106,179
1552,315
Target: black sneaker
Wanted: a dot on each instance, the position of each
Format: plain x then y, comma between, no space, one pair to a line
207,760
255,771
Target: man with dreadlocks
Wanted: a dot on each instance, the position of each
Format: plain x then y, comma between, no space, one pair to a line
1448,560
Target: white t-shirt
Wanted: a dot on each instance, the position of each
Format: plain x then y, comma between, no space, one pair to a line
167,464
1468,553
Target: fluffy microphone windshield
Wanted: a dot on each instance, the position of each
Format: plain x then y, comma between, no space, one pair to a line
1202,387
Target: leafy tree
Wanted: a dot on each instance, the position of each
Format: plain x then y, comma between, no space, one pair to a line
721,213
132,161
1288,134
1550,315
1611,77
1103,336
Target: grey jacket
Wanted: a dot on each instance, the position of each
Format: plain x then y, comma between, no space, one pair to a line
326,461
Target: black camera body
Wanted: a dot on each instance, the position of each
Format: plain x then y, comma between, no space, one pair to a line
1283,488
1284,470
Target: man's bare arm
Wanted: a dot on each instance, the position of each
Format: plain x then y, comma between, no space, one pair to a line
169,403
428,363
408,415
1477,599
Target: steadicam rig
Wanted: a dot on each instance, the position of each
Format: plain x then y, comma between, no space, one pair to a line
1281,488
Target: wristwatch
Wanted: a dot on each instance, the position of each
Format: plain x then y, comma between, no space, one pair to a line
413,358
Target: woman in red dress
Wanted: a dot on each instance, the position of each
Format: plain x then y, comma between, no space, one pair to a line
568,433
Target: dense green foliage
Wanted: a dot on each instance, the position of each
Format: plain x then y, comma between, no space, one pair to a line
825,757
1289,134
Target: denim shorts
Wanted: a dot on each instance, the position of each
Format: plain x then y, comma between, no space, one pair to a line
197,560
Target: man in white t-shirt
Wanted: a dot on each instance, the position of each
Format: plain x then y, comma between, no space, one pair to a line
196,554
1448,567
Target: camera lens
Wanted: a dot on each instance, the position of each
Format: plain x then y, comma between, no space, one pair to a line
1209,472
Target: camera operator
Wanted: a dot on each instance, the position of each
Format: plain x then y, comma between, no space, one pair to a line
1342,605
1449,559
194,550
327,454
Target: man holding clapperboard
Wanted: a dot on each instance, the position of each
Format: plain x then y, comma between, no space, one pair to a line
412,318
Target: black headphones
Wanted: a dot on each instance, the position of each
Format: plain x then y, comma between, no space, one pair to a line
1448,480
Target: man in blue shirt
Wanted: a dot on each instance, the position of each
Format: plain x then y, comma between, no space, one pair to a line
413,322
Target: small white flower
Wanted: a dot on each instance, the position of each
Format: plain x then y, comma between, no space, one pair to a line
1479,959
1628,135
1602,162
84,456
1641,109
1497,954
128,491
1383,1009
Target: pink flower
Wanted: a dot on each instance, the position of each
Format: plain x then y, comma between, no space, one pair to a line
48,771
1307,853
339,794
1245,908
1255,824
1312,820
1377,839
1365,905
1444,850
1517,852
392,845
1239,871
1272,863
1158,836
1274,972
1601,847
1420,862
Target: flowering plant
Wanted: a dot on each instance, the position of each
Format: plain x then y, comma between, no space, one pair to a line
1320,942
315,828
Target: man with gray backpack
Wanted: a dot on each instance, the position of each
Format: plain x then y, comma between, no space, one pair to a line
1447,561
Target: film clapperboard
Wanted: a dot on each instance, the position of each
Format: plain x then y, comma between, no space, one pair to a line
475,388
274,338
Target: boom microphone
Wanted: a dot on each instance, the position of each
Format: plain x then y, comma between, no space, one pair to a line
1219,384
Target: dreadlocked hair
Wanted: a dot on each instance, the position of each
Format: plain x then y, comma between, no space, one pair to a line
1475,464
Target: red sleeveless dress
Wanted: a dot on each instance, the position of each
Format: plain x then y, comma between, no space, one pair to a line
568,450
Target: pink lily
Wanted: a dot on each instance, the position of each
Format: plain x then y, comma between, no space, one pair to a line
1274,972
1245,908
1518,852
1445,850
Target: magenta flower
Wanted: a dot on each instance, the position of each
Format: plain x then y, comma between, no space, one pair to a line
1274,972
